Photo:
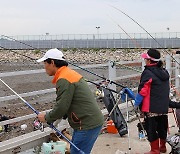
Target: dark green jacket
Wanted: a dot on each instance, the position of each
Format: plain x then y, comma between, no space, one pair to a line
75,99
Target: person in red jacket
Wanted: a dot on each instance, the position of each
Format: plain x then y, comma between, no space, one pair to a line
153,99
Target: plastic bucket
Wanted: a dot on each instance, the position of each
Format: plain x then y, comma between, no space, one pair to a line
111,127
58,147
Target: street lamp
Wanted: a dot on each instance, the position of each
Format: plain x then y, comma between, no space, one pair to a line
97,27
47,38
168,31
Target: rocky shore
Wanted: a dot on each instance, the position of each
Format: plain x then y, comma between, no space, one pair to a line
83,56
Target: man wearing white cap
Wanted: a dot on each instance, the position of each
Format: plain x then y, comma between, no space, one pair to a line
74,100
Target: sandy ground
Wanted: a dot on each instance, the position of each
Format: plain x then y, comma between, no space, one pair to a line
114,144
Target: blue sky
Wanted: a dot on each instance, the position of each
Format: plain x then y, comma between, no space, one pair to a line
36,17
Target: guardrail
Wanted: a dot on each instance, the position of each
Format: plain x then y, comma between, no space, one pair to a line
112,76
116,40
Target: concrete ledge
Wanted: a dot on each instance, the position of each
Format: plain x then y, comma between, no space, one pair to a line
24,142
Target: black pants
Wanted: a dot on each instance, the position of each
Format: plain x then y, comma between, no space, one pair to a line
156,127
178,116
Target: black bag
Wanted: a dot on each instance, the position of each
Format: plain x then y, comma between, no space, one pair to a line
174,142
116,115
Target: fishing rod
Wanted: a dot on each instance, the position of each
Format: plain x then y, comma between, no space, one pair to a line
37,112
68,62
134,41
99,85
107,80
20,42
95,74
139,71
27,44
145,31
128,67
138,45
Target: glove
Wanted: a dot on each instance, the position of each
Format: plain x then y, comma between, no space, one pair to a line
127,91
138,99
130,93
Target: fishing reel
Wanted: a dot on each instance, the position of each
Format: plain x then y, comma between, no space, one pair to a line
38,125
99,93
100,86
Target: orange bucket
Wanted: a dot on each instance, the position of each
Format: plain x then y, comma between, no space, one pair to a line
111,127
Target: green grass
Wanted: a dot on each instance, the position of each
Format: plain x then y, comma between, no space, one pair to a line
37,51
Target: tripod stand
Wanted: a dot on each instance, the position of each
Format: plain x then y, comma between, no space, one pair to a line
127,116
115,107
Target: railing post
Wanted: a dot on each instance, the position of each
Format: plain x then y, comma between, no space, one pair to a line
168,64
142,65
177,72
112,72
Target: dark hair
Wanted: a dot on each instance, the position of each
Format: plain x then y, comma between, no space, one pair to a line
58,63
154,53
159,63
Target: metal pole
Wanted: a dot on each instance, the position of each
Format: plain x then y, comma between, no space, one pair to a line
127,114
19,97
168,64
177,72
112,73
142,65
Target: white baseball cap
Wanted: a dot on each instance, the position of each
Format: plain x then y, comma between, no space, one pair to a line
53,54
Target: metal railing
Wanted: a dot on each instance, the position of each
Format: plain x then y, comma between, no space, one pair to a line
115,40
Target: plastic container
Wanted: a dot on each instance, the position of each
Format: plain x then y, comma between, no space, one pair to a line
58,147
1,128
111,127
142,135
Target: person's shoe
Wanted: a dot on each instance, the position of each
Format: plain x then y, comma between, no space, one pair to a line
163,146
154,147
